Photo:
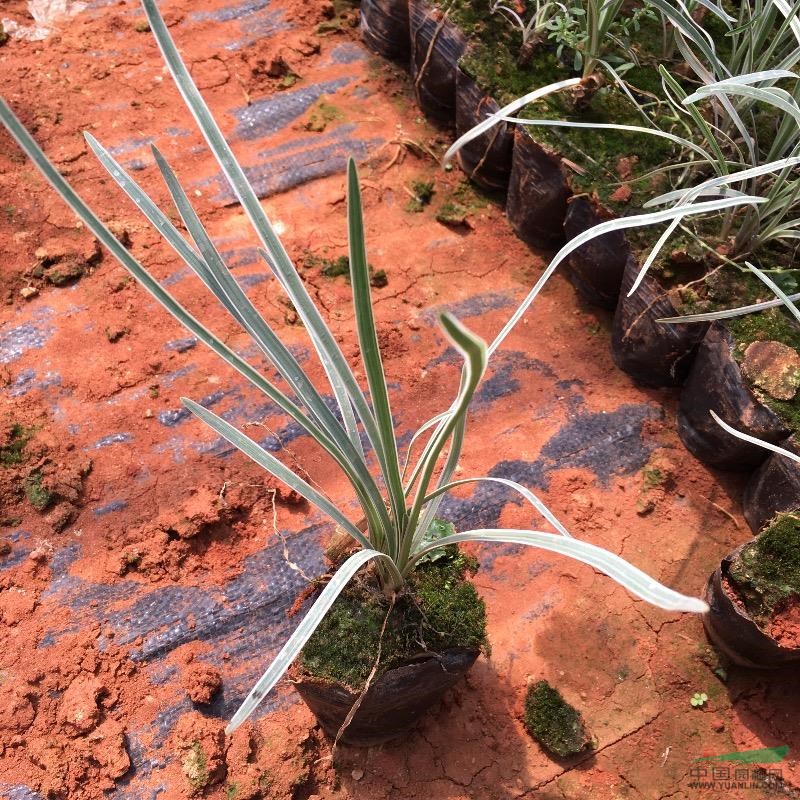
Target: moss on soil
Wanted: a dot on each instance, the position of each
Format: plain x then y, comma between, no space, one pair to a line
321,115
440,610
652,477
339,267
553,722
451,213
423,192
38,496
12,452
767,571
334,268
195,766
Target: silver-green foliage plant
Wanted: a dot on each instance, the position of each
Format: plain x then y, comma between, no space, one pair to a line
599,33
743,123
399,506
535,29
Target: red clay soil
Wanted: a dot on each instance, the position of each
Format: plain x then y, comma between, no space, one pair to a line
141,560
785,624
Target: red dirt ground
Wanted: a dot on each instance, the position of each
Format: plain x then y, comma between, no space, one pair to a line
145,514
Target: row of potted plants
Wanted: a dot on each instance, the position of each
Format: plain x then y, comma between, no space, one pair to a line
578,124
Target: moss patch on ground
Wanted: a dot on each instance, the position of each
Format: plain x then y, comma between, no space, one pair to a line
422,193
767,571
36,492
13,450
553,722
440,610
195,767
321,115
338,267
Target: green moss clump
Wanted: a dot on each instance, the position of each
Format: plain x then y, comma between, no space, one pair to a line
440,610
553,722
195,766
322,115
38,496
338,267
335,267
378,278
451,213
596,152
423,192
12,452
493,62
652,477
767,571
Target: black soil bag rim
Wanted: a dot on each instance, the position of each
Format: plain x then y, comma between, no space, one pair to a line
734,632
384,28
716,382
486,160
394,703
773,488
436,48
596,268
653,353
537,192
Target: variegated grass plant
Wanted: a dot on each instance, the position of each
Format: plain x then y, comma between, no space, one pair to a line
599,33
535,29
401,501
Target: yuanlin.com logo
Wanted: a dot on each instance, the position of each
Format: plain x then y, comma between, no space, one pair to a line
744,770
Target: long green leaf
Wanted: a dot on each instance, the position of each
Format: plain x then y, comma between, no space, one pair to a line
784,298
228,291
473,350
431,507
507,110
426,426
613,126
631,578
289,652
730,313
776,97
623,223
108,240
368,343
